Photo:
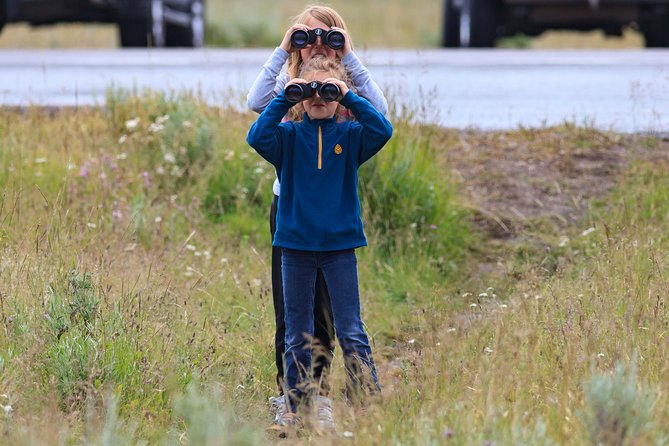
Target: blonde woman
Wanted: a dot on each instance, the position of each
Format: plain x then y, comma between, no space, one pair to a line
319,222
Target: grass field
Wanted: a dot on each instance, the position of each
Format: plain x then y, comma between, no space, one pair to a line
262,23
514,287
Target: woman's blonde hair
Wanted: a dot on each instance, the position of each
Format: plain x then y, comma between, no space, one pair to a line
326,15
320,64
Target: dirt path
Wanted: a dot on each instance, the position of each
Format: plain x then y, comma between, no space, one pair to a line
513,179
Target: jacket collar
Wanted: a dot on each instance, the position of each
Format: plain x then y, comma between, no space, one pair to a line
321,122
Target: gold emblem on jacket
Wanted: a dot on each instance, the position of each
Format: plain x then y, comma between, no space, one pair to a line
338,149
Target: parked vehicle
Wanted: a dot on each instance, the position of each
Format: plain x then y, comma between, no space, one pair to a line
157,23
477,23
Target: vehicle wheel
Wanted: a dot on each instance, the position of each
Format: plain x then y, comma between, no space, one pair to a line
451,28
188,32
656,33
478,23
158,23
134,32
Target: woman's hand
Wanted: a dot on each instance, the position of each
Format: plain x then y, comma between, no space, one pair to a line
347,43
285,43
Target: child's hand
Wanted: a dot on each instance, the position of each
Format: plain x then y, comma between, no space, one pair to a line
285,43
295,80
341,84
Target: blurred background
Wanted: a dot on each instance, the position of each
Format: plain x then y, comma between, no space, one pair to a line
540,24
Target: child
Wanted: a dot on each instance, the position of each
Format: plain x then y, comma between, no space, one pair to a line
319,223
269,83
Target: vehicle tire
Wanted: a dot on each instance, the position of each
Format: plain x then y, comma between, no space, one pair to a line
134,32
191,35
656,33
478,23
451,27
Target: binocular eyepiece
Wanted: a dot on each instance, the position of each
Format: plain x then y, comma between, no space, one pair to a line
328,91
332,38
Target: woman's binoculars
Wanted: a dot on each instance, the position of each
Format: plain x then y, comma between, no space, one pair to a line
332,38
328,91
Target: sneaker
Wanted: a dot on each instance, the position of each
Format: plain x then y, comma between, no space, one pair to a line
326,420
288,422
279,408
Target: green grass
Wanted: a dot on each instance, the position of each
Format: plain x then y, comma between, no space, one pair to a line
135,301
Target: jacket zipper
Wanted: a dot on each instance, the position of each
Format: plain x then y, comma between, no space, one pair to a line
320,148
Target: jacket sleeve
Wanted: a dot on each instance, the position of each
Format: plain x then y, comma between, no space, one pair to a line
269,83
364,84
266,135
372,128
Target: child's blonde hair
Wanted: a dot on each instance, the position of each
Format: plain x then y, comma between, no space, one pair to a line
326,15
320,64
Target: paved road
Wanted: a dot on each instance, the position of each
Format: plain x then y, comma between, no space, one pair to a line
489,89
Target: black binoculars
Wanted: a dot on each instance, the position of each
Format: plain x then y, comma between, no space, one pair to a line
328,91
332,38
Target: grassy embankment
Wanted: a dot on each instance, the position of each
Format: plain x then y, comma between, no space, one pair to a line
135,297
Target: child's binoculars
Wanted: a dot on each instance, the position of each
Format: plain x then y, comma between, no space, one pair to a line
332,38
328,91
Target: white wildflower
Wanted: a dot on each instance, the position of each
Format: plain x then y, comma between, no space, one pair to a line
156,127
587,231
169,158
131,124
40,160
91,225
122,139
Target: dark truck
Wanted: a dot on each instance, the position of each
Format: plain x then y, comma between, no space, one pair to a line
157,23
477,23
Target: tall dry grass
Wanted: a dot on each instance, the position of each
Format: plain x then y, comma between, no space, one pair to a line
133,310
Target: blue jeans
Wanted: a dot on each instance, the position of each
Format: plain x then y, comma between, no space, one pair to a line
340,270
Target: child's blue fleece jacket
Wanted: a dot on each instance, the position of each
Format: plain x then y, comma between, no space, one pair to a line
317,164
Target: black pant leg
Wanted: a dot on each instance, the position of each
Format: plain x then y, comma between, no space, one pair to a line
324,334
277,298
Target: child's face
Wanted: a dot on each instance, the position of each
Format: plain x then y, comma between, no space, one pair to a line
316,107
317,49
